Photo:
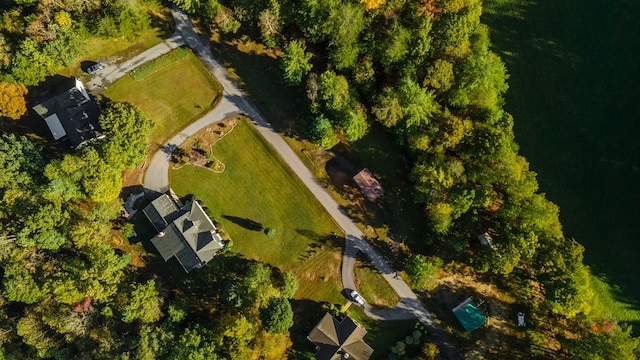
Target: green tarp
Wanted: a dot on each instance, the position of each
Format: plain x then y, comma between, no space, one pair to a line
469,315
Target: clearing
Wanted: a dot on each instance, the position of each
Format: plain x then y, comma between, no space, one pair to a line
257,191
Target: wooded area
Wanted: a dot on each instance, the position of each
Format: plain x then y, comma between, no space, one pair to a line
423,69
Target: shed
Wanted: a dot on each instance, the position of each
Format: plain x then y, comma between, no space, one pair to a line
368,184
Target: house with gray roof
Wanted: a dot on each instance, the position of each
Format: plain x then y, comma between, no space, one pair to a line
71,114
186,233
337,339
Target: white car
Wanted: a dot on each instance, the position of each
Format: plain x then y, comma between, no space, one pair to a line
357,298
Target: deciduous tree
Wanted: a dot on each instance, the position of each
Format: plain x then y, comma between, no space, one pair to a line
277,315
295,62
12,103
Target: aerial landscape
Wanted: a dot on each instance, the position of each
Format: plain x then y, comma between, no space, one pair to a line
358,179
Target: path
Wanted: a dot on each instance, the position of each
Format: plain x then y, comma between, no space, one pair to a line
235,101
112,72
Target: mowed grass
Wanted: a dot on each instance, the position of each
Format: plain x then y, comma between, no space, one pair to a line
573,93
256,191
174,96
373,287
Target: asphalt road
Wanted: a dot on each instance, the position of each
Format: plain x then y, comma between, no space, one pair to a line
234,102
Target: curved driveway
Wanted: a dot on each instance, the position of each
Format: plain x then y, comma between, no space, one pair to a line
235,101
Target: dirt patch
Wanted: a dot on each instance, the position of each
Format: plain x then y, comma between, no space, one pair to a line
137,252
497,337
135,176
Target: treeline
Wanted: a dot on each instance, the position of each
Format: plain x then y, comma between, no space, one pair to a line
424,69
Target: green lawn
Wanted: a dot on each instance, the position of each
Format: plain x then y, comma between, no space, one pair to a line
573,93
373,287
174,96
257,190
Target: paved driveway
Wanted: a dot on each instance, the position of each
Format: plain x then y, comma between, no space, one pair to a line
235,101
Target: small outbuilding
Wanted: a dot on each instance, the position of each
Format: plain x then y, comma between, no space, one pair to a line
368,184
338,339
469,315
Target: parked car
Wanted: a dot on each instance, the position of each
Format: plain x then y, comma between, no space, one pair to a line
357,298
93,68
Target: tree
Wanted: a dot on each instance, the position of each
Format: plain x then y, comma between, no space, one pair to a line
440,76
422,271
387,108
354,125
21,163
295,62
143,304
345,23
334,92
127,129
225,20
289,285
395,46
5,52
12,104
417,104
277,316
31,64
269,23
322,132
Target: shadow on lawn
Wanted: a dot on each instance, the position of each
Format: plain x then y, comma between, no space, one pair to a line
245,222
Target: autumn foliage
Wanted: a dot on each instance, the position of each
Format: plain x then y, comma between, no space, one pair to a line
12,104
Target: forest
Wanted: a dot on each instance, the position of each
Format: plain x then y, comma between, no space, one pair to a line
421,69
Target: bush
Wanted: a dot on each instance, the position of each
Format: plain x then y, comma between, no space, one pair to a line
271,232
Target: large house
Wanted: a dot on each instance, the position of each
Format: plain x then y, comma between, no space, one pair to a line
337,339
186,233
71,113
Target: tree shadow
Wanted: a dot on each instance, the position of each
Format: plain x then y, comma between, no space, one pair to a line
306,314
245,223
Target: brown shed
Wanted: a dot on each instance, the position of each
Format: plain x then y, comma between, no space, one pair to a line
369,186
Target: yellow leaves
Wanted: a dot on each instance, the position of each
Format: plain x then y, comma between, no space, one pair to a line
268,346
12,104
372,4
63,19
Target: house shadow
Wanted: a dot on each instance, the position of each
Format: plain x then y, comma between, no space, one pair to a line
306,314
245,222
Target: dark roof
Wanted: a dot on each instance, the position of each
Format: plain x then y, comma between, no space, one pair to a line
162,211
189,234
71,113
333,338
370,187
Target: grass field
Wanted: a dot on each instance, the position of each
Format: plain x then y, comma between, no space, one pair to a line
373,287
573,93
174,95
257,191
